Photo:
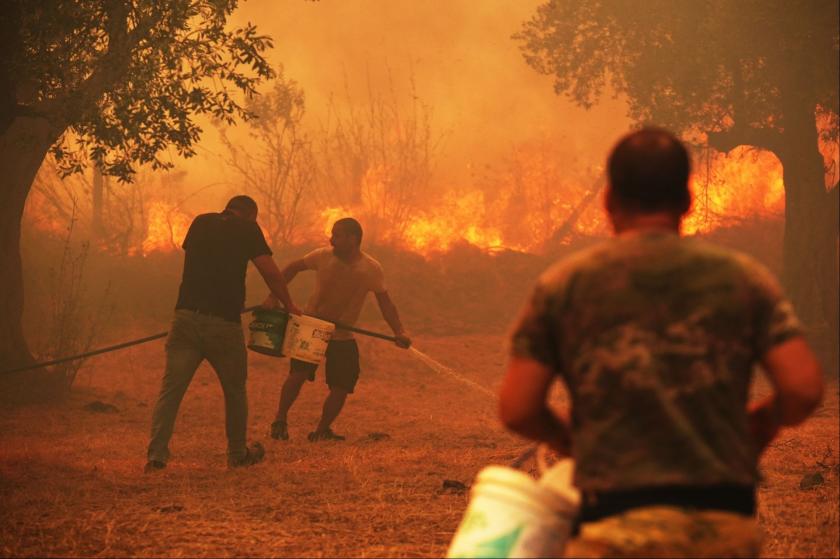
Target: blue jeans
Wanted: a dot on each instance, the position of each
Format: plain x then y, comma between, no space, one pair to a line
194,337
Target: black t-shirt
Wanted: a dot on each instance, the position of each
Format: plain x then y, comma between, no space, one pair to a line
218,247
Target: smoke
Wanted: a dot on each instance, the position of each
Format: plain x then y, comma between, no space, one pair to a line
464,66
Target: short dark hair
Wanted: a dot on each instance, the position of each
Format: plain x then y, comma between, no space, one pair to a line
351,225
242,203
649,172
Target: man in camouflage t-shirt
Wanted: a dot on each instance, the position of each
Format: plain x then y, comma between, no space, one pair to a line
656,337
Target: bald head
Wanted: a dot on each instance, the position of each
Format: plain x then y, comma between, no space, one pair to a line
648,172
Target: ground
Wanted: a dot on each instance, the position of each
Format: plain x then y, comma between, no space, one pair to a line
72,482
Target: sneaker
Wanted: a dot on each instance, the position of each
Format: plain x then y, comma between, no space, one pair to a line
254,454
280,431
325,435
153,466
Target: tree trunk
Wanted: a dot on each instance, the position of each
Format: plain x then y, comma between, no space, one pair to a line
97,188
811,231
23,146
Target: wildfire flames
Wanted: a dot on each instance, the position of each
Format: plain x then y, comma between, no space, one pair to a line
527,209
167,226
522,210
743,184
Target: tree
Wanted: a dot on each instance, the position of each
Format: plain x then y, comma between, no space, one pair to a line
278,165
116,82
376,158
743,72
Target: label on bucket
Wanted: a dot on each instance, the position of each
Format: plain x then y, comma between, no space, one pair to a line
482,536
324,335
267,331
307,338
474,542
261,339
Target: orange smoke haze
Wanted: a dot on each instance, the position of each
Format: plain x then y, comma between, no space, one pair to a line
483,98
515,166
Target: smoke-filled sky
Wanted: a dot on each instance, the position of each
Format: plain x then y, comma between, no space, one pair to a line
484,98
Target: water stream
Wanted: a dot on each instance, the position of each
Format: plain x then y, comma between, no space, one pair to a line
443,369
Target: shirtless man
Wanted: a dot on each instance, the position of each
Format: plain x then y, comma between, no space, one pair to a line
344,276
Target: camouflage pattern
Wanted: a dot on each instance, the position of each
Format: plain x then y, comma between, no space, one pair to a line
656,337
668,532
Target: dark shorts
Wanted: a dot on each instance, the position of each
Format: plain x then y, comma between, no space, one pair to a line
342,364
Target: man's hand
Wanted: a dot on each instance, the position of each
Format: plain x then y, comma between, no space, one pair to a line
764,423
389,313
273,303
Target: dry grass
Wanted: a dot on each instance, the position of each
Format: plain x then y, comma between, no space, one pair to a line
71,480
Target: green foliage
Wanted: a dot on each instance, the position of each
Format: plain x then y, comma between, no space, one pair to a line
122,81
689,65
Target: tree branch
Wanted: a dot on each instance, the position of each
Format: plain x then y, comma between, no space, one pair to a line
110,68
727,140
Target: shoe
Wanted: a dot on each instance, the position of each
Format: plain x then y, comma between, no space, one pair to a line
254,454
153,466
280,431
325,435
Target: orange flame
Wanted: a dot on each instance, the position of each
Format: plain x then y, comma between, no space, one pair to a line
530,204
167,227
828,121
742,184
522,207
459,218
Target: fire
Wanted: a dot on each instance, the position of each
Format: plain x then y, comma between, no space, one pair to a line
526,203
534,202
531,203
456,218
167,227
745,183
330,216
827,122
459,218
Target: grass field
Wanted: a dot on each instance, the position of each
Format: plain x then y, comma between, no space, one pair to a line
72,482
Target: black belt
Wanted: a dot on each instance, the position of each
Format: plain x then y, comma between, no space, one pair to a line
209,313
732,498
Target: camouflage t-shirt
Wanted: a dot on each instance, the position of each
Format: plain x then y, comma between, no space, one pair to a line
656,337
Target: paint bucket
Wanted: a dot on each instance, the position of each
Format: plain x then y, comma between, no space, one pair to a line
513,515
267,332
307,338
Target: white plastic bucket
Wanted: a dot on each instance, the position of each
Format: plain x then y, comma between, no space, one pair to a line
307,338
513,515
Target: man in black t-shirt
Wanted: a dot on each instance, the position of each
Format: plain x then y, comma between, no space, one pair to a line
217,249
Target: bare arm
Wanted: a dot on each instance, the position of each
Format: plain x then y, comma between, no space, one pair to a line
798,382
392,317
523,407
275,279
292,269
287,274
